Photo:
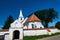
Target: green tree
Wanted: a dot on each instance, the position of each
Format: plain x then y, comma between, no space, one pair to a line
8,22
46,15
57,25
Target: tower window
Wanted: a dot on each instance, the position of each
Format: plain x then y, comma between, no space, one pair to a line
21,18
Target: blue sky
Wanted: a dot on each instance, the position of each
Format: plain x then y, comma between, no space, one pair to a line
12,7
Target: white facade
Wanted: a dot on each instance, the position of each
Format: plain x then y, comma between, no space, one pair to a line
16,26
11,31
34,24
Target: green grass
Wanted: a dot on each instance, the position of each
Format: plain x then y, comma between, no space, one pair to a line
38,37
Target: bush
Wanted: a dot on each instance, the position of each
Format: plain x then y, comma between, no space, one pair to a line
57,25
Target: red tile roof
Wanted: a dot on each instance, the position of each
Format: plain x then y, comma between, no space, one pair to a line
33,17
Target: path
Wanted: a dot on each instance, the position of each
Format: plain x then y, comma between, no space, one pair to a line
52,38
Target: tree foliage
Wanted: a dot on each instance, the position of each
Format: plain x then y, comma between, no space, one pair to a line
8,22
57,25
46,15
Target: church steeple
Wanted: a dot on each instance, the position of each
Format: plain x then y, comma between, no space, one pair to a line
20,14
21,18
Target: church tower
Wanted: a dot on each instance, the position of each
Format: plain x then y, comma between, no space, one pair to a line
20,18
16,29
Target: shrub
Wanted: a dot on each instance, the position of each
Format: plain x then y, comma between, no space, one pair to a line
57,25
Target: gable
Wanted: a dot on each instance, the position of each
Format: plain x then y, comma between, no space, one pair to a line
33,17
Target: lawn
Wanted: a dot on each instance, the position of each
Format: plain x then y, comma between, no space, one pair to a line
38,37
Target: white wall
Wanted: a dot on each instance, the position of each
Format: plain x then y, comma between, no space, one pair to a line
36,23
39,24
2,33
39,32
28,33
54,30
6,37
12,30
34,32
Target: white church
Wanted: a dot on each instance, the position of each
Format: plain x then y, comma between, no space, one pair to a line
30,26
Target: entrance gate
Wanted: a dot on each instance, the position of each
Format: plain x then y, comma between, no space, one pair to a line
16,34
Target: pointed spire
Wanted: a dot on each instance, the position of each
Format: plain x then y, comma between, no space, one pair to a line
20,14
21,18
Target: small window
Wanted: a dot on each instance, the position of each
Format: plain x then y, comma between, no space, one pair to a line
32,25
21,18
40,27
